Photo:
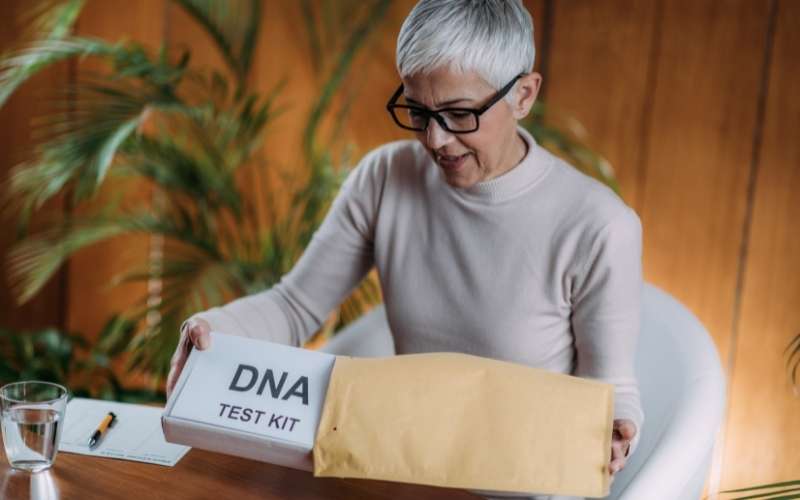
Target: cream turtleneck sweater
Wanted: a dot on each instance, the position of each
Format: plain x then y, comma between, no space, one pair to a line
540,266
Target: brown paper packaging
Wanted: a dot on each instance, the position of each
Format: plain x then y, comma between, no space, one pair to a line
462,421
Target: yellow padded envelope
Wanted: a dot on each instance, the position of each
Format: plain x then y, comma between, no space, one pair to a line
461,421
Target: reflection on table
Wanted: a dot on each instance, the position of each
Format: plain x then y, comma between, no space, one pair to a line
199,475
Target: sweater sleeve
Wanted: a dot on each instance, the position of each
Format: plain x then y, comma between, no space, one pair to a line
338,257
606,314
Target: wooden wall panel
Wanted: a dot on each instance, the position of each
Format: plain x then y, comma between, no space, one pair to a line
93,298
16,141
539,13
699,146
763,437
699,150
599,65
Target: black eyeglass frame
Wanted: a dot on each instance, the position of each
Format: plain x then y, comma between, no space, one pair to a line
392,105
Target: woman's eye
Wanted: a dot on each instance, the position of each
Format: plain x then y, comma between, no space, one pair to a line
458,115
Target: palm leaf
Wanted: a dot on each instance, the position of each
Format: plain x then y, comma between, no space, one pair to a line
233,25
46,354
193,279
792,353
190,283
52,19
82,156
82,144
311,202
308,11
793,492
115,336
20,66
325,177
34,261
342,65
180,171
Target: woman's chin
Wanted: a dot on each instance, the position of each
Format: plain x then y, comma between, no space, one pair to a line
459,176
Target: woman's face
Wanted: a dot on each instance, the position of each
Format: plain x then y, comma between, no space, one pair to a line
490,151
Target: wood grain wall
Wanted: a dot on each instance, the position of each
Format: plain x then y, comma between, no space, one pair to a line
695,103
16,143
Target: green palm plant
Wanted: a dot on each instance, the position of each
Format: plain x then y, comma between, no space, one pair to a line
70,360
196,135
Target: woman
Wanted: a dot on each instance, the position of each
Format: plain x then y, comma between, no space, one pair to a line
484,242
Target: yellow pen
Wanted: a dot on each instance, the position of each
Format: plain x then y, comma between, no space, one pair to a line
107,422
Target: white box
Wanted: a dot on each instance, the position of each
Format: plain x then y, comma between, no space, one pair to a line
250,398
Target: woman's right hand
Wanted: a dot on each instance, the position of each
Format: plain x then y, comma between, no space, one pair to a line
194,333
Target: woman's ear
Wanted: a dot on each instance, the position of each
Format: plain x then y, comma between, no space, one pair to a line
526,90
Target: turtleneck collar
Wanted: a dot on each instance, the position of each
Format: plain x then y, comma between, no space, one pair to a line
533,167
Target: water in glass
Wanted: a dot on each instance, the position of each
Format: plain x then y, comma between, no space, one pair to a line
31,436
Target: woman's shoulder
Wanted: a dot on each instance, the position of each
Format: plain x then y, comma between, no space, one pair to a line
591,217
404,158
404,153
588,201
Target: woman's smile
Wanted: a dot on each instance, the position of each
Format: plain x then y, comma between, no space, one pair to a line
452,163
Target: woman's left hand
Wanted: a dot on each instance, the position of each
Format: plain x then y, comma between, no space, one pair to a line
624,431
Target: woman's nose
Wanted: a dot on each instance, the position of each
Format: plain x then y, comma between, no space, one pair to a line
436,136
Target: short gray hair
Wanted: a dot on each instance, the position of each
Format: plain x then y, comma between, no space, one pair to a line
494,38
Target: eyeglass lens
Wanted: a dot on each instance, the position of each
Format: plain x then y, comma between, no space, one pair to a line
454,120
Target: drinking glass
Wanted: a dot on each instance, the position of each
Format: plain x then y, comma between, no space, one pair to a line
32,413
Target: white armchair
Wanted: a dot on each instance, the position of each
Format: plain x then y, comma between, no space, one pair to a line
683,395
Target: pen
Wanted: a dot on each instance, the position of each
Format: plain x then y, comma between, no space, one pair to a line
107,422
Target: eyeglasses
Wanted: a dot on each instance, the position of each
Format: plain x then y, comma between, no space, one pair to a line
455,120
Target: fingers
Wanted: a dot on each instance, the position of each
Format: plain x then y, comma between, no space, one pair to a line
619,446
171,379
200,335
618,449
616,465
626,428
194,333
624,431
174,372
618,459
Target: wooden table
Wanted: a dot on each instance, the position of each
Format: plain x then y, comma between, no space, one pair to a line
199,475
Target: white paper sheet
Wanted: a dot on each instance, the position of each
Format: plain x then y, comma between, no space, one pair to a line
136,434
